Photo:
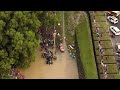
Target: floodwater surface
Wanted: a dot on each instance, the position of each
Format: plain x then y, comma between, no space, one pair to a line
63,68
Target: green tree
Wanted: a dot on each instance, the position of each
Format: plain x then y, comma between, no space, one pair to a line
19,38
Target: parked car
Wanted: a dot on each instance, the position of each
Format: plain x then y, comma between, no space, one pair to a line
117,47
115,30
112,19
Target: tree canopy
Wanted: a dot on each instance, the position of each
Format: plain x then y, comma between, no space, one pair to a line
19,36
18,41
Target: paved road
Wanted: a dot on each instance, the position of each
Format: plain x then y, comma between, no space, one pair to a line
116,39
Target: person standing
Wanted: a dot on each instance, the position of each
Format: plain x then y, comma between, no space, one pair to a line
105,75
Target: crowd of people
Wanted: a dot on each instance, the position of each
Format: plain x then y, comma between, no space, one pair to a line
15,74
47,44
104,66
49,39
48,55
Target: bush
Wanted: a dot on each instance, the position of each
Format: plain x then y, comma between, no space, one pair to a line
86,49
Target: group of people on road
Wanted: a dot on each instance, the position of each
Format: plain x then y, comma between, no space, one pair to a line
16,74
47,44
104,67
48,55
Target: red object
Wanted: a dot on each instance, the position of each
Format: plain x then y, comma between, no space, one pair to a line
21,77
61,47
16,72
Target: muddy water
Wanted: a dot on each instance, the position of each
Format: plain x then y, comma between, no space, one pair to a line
62,68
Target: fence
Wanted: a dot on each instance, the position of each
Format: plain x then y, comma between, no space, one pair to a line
78,59
89,19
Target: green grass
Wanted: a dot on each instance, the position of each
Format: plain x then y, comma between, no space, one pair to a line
117,76
106,52
101,30
105,44
111,76
111,68
100,18
68,35
105,36
110,59
100,24
99,13
86,49
59,28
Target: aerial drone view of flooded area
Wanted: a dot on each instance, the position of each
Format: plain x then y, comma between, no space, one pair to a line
59,45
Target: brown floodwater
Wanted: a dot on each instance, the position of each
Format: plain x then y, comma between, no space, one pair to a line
63,68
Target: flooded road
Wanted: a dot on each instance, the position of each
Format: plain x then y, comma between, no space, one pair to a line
62,68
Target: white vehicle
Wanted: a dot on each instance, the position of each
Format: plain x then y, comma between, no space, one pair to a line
112,19
117,47
115,30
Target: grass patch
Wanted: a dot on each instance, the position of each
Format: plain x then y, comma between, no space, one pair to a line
99,13
105,44
101,30
100,18
110,59
111,68
111,76
59,29
100,24
105,36
69,37
106,52
86,49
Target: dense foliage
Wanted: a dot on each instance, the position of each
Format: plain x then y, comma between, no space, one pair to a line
19,36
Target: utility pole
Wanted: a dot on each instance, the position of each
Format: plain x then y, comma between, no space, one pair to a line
54,35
